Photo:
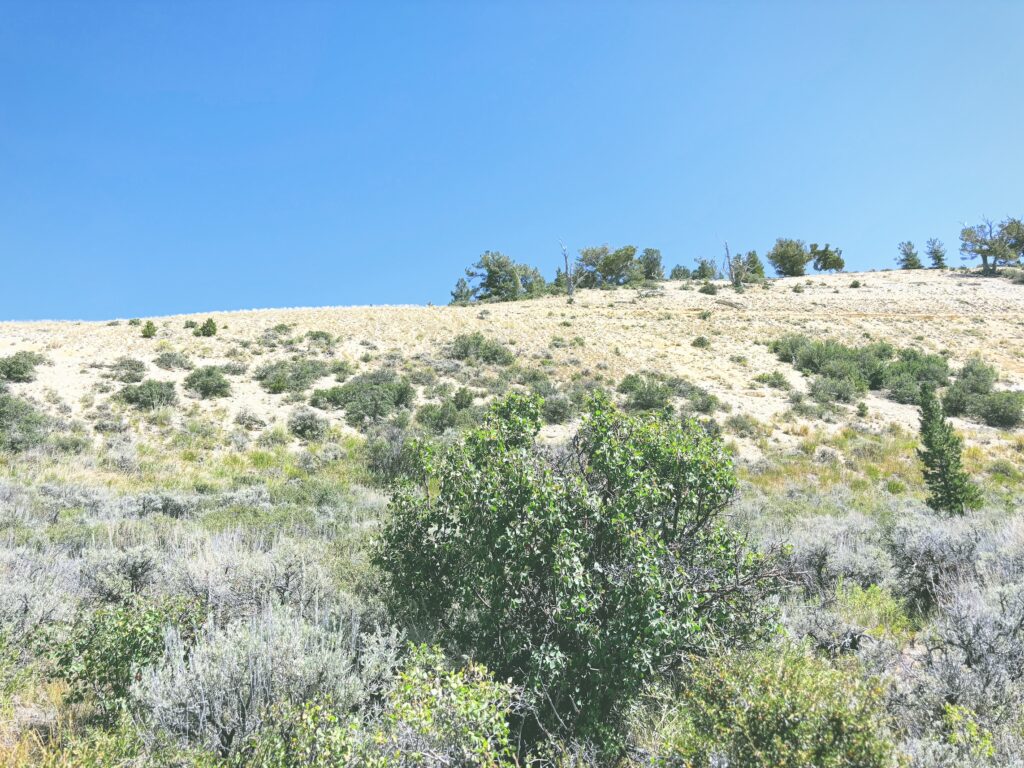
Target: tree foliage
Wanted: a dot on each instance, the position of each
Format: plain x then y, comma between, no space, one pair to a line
827,259
496,277
650,264
579,577
936,253
789,257
950,487
908,258
997,245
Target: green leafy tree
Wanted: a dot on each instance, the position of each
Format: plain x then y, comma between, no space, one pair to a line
936,253
789,257
579,578
679,272
908,258
208,328
600,266
827,259
462,293
496,277
753,267
650,263
950,487
996,245
706,270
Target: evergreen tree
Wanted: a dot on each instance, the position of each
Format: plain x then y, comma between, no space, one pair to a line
789,257
936,252
950,487
908,258
827,259
462,293
650,262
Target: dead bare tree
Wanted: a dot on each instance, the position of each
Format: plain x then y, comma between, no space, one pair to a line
568,272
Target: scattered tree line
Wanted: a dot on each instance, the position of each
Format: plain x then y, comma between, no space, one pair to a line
997,245
497,277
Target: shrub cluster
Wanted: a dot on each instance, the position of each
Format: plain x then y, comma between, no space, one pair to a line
475,347
842,373
972,395
128,370
22,426
149,394
20,367
208,382
295,375
368,397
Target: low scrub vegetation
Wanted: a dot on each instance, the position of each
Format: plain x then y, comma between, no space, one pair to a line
149,394
20,367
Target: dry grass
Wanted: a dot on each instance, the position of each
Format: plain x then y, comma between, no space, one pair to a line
619,332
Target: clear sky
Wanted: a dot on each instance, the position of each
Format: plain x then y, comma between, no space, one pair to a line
161,157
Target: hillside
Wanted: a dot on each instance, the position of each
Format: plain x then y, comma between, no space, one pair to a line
604,336
214,549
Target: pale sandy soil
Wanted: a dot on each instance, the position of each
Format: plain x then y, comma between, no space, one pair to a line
623,331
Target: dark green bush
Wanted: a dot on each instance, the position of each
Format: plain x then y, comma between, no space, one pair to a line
957,400
557,409
367,398
463,398
149,330
295,375
775,380
701,342
208,382
328,399
925,369
709,288
20,367
341,369
21,426
1001,409
581,583
977,377
646,392
904,388
842,374
777,710
173,361
439,417
208,328
128,370
828,389
149,394
474,347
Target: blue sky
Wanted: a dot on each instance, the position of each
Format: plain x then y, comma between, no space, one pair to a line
188,156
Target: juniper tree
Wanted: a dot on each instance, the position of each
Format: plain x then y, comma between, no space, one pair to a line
827,259
789,257
908,258
950,487
936,252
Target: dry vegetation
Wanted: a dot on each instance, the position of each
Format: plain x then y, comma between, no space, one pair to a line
190,511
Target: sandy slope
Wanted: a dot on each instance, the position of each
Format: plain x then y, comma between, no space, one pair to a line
622,331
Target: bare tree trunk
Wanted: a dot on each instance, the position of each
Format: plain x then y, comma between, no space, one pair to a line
568,272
